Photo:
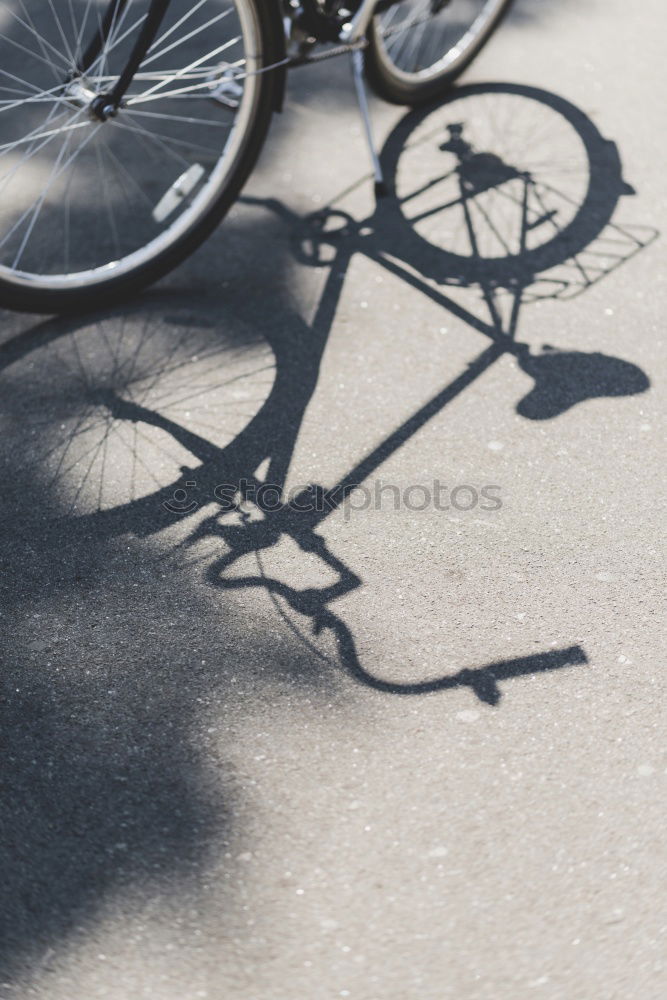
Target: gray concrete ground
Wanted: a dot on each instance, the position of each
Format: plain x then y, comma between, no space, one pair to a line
391,753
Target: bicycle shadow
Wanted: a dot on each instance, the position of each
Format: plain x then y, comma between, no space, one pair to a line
562,379
503,285
98,771
560,268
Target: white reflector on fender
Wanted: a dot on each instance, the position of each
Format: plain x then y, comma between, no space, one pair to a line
178,191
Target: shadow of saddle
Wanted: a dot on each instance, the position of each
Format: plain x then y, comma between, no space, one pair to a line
565,378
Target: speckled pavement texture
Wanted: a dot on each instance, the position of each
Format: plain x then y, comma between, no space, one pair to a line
409,745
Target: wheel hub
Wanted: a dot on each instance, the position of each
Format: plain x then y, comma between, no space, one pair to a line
81,93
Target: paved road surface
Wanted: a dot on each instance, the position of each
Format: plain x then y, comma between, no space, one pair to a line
412,747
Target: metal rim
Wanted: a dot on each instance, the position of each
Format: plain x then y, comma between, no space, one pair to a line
418,16
199,205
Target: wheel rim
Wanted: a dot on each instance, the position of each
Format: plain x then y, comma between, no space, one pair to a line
420,40
83,202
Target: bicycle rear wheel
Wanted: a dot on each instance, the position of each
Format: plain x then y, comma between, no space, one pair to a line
90,209
419,47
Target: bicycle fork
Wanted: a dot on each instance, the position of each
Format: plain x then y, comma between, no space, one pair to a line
105,106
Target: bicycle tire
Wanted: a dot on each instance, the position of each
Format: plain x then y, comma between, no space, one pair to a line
47,293
456,50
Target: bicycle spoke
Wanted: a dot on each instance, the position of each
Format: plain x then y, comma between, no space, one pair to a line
8,147
190,13
26,83
61,32
181,118
28,154
115,38
46,97
33,55
43,42
135,175
403,34
84,28
40,199
186,38
181,92
214,52
125,173
161,138
107,200
34,212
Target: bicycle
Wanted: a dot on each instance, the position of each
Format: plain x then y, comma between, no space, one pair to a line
128,127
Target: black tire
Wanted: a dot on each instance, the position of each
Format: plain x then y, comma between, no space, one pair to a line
413,88
110,289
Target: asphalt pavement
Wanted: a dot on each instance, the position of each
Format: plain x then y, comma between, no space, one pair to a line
404,740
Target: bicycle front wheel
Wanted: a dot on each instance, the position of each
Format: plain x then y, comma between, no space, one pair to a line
419,47
90,209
